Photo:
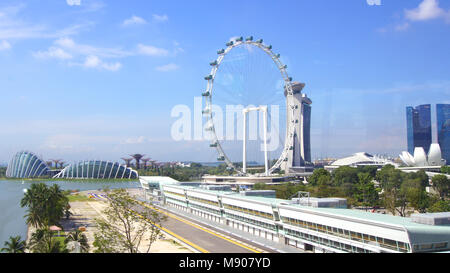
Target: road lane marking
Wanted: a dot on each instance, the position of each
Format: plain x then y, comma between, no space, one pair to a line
201,228
173,234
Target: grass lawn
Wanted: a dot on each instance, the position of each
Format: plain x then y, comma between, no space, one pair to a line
79,198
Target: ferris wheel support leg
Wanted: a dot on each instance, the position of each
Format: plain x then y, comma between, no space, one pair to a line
244,145
265,140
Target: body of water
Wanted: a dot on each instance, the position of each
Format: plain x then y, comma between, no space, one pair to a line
12,221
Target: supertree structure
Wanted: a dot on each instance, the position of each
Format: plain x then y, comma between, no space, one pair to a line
145,160
138,158
127,161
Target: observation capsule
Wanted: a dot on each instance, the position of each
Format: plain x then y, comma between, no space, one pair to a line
206,94
221,51
230,43
209,77
249,38
260,41
213,63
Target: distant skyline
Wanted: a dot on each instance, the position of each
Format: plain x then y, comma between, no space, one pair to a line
96,79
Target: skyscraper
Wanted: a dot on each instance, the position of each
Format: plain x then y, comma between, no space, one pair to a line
418,125
299,156
443,129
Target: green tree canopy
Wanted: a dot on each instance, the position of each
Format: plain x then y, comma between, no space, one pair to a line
345,174
441,184
365,192
318,174
43,241
14,245
46,205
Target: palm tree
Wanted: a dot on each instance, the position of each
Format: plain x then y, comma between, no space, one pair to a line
35,198
42,241
15,245
78,236
46,206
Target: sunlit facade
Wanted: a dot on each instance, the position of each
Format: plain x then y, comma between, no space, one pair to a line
418,124
443,129
96,169
303,226
26,165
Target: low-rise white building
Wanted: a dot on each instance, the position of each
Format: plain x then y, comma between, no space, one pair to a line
316,229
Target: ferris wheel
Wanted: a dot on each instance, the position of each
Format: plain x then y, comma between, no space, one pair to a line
248,73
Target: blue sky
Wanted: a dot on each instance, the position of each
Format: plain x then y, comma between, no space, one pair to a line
92,79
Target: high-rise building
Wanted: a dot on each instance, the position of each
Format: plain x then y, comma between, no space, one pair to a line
443,129
299,156
418,124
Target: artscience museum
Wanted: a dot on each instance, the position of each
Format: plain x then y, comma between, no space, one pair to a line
421,159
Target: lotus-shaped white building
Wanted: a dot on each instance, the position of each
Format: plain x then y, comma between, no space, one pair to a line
420,158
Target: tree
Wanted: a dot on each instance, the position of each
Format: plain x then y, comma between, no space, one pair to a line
14,245
415,193
345,174
46,206
393,197
365,192
317,174
440,206
445,169
124,230
441,184
79,237
42,241
371,170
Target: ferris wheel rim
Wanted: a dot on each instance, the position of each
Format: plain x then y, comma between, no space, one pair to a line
209,94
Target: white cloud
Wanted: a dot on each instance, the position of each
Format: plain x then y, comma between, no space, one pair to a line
92,61
4,45
134,20
167,67
152,51
92,57
428,9
53,52
12,27
112,66
136,140
73,2
95,62
82,49
160,18
402,27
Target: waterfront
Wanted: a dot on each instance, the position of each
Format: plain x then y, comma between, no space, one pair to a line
12,221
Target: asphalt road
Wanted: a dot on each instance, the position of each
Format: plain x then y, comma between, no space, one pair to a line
204,237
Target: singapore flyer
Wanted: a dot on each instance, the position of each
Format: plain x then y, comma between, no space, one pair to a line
250,85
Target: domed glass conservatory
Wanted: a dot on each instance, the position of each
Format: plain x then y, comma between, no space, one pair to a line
26,165
95,169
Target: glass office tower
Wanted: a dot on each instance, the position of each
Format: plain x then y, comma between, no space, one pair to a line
418,124
443,129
